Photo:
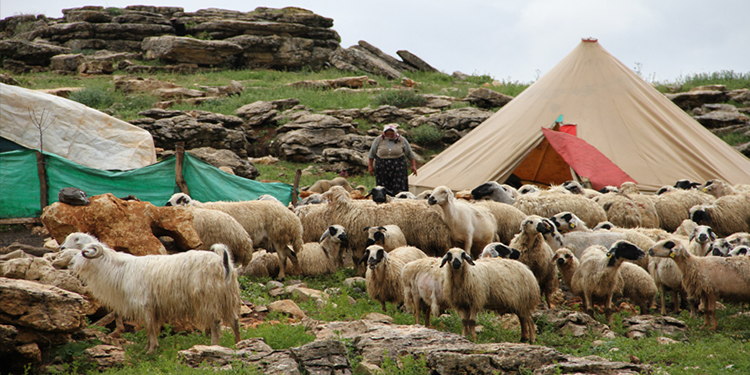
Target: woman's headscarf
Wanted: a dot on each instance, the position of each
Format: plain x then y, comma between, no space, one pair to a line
391,127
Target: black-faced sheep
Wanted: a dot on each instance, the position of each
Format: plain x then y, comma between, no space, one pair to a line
423,288
597,277
700,240
727,215
383,276
380,194
708,278
576,188
673,207
423,227
501,285
528,189
548,204
568,222
741,250
686,184
387,236
537,254
472,226
508,218
265,221
499,250
198,286
494,191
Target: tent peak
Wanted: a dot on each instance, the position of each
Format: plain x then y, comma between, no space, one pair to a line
589,40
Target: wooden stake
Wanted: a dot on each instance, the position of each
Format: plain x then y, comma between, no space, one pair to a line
179,177
42,172
297,176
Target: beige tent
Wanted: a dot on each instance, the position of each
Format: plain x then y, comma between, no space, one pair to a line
636,127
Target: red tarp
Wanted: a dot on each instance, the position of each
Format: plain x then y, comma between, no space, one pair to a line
586,160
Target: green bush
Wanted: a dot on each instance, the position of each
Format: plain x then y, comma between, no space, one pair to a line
95,97
400,99
113,11
479,80
426,135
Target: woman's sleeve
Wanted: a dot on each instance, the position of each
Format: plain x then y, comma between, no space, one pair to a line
407,151
374,148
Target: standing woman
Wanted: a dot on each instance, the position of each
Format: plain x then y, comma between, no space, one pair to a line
389,153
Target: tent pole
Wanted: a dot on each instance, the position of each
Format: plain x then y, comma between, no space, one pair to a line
179,177
42,172
297,176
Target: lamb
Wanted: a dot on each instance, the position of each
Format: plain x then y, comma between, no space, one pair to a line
383,277
423,288
638,286
727,215
597,277
701,240
537,254
471,225
674,207
567,263
684,230
547,204
668,278
502,285
424,195
508,218
264,221
708,278
499,250
321,186
494,191
198,286
387,236
423,227
741,250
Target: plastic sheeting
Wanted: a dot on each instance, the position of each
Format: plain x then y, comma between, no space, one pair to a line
72,130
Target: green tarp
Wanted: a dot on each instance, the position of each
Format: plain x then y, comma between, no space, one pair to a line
20,189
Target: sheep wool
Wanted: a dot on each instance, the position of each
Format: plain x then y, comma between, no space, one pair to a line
387,236
673,207
537,254
423,288
501,285
472,226
547,204
383,276
508,219
727,215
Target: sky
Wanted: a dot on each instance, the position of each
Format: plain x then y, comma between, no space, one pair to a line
663,40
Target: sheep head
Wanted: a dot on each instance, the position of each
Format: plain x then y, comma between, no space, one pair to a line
665,189
563,256
77,240
456,257
375,255
686,184
336,193
500,250
484,190
741,250
604,225
624,250
699,214
534,224
440,196
379,194
337,234
180,199
565,221
703,234
667,249
573,187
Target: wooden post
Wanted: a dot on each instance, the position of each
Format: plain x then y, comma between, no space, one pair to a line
42,172
297,176
179,177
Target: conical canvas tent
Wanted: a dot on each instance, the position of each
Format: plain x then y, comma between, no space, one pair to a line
623,117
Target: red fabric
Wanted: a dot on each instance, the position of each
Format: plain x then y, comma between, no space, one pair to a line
570,129
586,160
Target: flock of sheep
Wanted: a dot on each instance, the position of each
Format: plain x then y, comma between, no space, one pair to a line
494,248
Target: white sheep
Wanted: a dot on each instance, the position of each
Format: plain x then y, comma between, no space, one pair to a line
598,277
383,276
629,210
507,217
708,278
741,250
718,188
576,188
638,286
528,189
727,215
405,195
668,278
423,288
265,221
494,191
422,226
387,236
198,286
501,285
537,254
738,239
424,194
268,197
548,204
701,240
322,185
673,207
499,250
472,226
567,263
215,227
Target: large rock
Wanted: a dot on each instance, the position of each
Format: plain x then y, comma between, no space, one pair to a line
196,134
226,158
714,116
356,57
123,225
282,51
254,352
388,114
66,62
323,357
693,99
105,356
415,61
86,15
130,85
42,271
66,32
392,61
41,307
645,325
189,50
305,138
486,98
227,28
460,119
257,113
31,53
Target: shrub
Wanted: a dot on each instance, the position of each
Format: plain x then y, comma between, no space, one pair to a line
401,99
113,11
95,97
426,135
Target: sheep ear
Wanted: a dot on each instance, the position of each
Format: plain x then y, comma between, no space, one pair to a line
712,235
468,259
692,235
364,258
366,229
382,228
446,258
325,234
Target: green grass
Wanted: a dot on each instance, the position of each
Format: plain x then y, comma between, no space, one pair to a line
731,79
284,171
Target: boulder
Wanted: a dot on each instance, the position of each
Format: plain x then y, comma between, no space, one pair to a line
177,93
189,50
139,85
66,62
415,61
131,16
390,60
96,67
693,99
9,80
41,307
85,15
282,51
31,53
105,356
165,11
185,128
306,138
225,27
123,225
715,116
253,352
227,121
288,307
388,114
460,119
257,113
219,158
322,357
344,160
41,270
351,82
572,322
356,57
486,98
646,325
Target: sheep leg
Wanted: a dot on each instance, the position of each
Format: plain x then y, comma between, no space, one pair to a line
236,329
427,317
662,300
709,307
382,305
608,309
119,327
215,331
417,306
152,329
524,327
282,263
547,297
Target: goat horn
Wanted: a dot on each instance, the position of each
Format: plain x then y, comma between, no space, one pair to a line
93,251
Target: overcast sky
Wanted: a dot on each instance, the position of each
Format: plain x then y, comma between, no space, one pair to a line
515,40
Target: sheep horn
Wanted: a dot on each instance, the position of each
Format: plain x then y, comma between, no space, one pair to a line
92,251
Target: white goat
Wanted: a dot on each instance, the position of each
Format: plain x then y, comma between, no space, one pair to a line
471,225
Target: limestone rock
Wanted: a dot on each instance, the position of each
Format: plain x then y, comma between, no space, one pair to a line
415,61
322,357
573,322
85,15
63,92
643,325
253,352
714,116
287,306
130,85
257,113
123,225
66,62
96,67
195,134
460,119
218,158
378,317
345,160
9,80
188,50
105,356
356,57
177,93
305,294
157,113
692,99
388,114
351,82
41,307
486,98
31,53
282,51
41,270
392,61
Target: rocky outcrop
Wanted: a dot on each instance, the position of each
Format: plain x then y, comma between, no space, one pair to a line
123,225
173,49
30,53
715,116
486,98
225,158
462,120
697,97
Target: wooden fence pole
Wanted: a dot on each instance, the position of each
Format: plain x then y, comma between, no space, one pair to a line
42,172
297,176
179,177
